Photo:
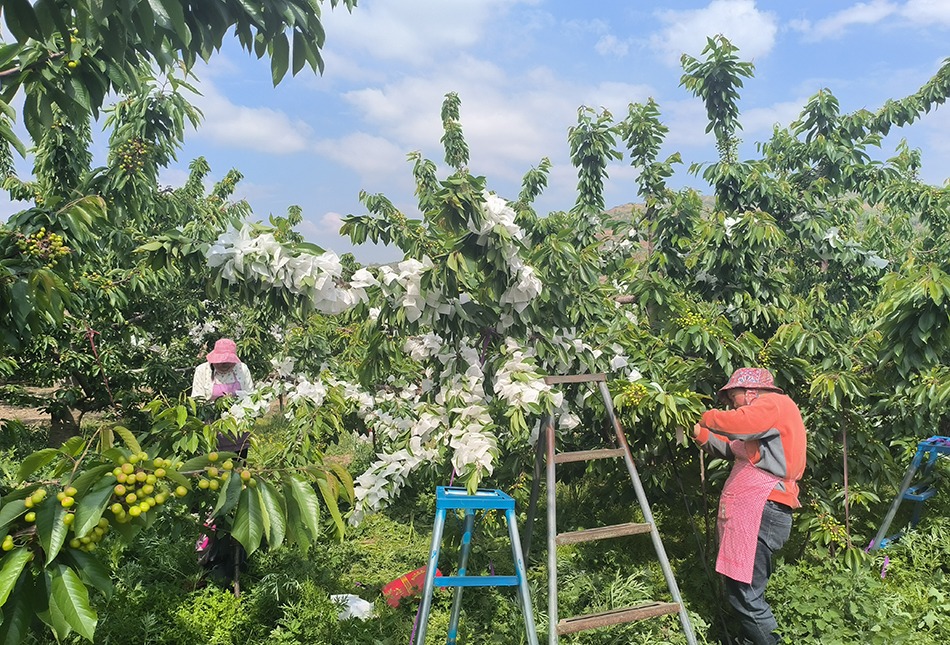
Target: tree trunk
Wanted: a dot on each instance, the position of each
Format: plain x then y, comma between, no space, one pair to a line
63,426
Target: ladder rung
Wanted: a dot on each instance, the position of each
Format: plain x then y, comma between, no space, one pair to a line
616,617
476,581
601,533
919,493
587,455
575,378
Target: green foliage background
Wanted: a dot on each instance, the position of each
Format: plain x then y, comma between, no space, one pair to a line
815,259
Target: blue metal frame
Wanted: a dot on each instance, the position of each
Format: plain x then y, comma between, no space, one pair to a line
931,449
452,498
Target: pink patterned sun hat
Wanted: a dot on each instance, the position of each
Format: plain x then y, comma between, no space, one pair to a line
751,378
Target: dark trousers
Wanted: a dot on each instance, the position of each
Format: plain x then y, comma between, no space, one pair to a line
748,600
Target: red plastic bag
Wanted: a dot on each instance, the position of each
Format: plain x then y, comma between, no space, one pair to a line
409,584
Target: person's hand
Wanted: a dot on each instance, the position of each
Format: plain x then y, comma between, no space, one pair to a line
697,429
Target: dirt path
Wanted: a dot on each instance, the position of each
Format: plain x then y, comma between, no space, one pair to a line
29,416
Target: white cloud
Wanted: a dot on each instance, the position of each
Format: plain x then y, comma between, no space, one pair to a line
687,123
927,11
937,126
369,155
499,115
610,45
330,223
510,120
239,126
913,13
413,31
749,29
760,121
862,13
174,177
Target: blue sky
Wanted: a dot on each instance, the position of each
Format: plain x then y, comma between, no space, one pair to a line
522,68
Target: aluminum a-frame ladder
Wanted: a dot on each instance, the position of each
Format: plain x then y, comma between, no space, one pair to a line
549,458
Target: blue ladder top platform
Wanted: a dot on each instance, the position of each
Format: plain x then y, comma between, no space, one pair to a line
940,444
483,499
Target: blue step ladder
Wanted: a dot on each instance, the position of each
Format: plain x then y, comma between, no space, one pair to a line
546,460
454,498
914,490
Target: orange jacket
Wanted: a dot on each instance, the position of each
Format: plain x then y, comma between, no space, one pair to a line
773,423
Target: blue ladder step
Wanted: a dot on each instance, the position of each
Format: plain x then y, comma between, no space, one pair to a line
890,540
920,493
476,581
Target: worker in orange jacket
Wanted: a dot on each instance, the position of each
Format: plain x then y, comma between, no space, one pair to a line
765,436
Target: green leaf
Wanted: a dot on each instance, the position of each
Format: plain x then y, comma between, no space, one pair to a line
149,247
17,616
90,507
174,12
227,496
178,478
346,479
194,464
300,53
271,504
69,598
50,528
302,495
91,570
248,528
89,478
73,446
329,497
21,20
280,53
128,438
10,511
13,564
36,461
265,516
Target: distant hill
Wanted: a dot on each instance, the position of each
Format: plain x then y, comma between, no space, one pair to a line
626,209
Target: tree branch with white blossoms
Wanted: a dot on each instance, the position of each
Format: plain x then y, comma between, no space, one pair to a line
252,255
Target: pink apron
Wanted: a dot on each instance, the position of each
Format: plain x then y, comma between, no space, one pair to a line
221,389
230,443
740,514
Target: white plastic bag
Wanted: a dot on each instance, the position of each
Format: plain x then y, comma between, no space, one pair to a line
353,606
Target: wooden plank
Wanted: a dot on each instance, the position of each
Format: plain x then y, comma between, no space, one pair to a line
575,378
616,617
602,533
587,455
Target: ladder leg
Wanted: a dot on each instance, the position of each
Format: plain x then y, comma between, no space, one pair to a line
463,567
648,516
552,532
430,576
926,472
892,511
535,491
521,572
915,516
